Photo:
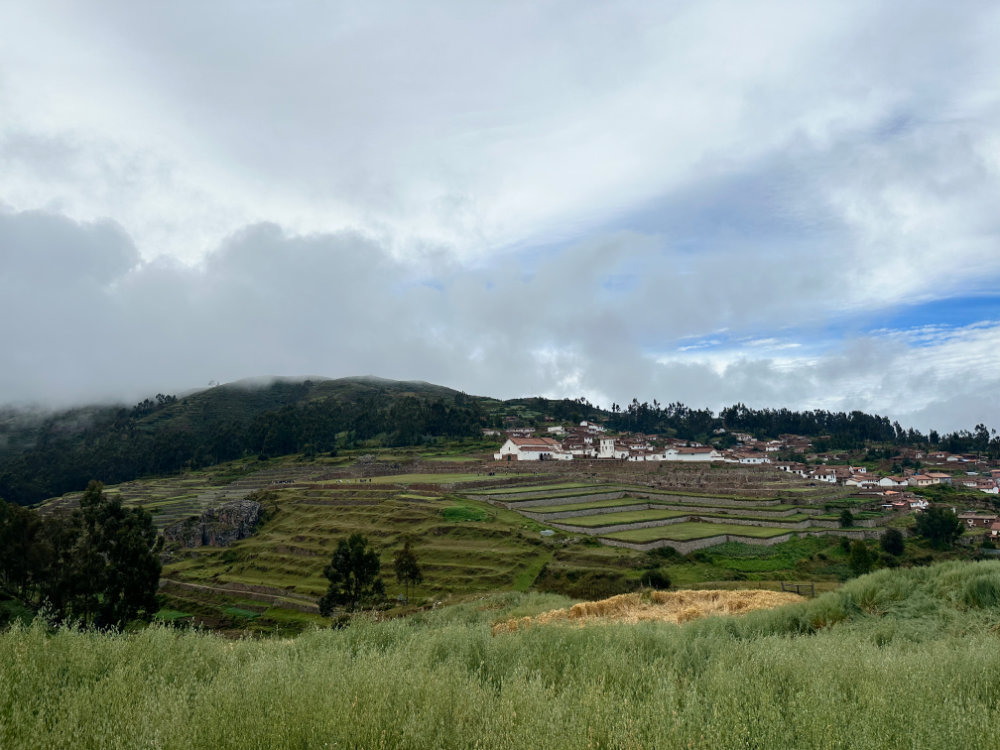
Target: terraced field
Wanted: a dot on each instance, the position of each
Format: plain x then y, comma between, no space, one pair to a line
463,546
474,528
274,578
626,517
636,515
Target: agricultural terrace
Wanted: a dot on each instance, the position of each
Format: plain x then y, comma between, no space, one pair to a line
275,577
754,505
475,529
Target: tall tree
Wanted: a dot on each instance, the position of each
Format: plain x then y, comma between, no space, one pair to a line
407,568
98,565
115,558
354,578
892,542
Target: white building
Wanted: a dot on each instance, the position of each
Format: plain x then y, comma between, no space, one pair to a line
532,449
691,454
610,449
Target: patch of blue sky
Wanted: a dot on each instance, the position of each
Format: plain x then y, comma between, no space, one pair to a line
947,313
783,342
920,325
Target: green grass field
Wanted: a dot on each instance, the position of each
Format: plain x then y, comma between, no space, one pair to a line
896,660
597,504
613,519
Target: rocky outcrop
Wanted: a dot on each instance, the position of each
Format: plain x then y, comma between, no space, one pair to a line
217,527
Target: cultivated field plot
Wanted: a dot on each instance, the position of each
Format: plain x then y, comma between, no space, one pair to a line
543,488
433,478
615,519
589,506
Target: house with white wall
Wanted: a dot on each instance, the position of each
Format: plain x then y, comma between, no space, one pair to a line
532,449
701,453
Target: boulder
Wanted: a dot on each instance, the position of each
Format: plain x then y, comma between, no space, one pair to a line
217,527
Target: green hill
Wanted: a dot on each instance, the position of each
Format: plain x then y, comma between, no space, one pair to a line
46,455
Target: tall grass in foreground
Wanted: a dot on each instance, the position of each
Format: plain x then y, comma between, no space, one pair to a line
903,658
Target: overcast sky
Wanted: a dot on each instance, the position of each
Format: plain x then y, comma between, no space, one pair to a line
780,203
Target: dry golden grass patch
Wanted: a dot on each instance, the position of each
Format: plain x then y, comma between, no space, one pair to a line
662,606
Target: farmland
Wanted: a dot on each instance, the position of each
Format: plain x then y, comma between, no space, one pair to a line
742,506
475,529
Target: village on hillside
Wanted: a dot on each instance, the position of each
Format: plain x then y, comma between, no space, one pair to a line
590,440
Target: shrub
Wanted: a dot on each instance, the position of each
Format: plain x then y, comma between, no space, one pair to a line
892,542
656,579
861,560
939,526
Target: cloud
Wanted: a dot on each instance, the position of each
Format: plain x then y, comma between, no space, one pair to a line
478,128
87,319
704,202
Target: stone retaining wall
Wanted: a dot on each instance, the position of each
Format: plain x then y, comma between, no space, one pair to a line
775,515
693,545
713,502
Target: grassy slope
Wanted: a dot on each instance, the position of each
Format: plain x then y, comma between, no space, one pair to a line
898,659
463,546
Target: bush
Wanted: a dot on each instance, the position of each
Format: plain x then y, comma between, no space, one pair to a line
939,526
846,518
656,579
861,560
892,542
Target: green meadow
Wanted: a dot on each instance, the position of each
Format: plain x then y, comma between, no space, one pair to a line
903,658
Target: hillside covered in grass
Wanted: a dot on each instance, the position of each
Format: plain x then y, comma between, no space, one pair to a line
897,659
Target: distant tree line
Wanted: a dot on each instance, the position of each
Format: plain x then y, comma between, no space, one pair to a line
674,419
854,430
97,566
